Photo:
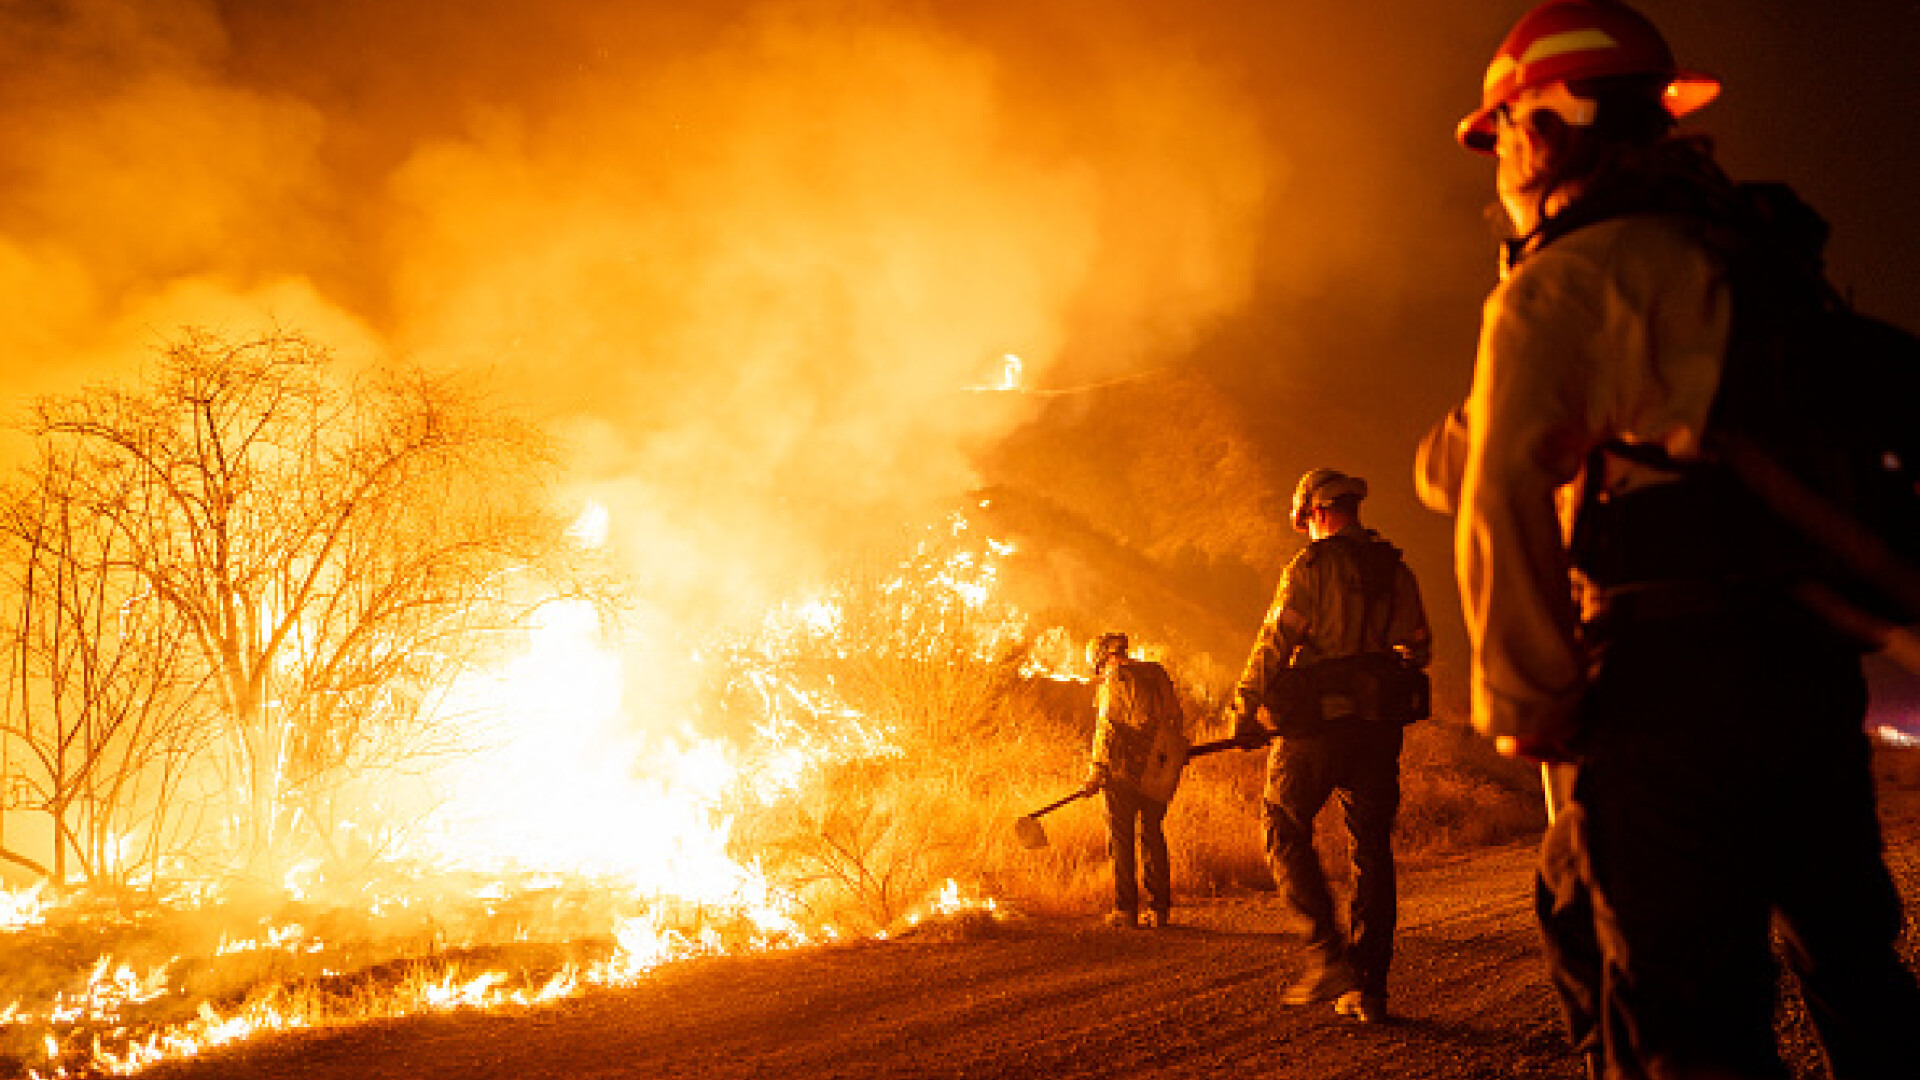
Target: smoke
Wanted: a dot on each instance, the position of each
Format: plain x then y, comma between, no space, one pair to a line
766,281
755,263
752,258
132,179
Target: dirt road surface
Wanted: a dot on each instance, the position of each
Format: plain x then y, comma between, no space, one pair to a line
1059,999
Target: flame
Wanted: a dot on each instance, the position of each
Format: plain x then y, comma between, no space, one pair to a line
22,908
564,787
593,526
291,938
1010,374
573,786
109,990
950,902
1011,369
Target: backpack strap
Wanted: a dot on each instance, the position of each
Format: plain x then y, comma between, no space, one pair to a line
1378,563
1375,678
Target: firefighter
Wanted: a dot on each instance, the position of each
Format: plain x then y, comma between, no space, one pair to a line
1347,618
1720,773
1136,709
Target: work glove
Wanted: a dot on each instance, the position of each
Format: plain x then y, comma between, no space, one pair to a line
1096,779
1247,730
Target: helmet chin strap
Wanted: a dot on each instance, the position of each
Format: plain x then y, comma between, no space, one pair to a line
1516,248
1531,150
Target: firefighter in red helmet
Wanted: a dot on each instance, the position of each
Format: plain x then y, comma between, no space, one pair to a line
1330,674
1706,731
1566,41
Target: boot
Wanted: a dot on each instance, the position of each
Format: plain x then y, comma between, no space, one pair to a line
1325,981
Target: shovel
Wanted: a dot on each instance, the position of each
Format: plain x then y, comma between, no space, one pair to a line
1027,829
1031,836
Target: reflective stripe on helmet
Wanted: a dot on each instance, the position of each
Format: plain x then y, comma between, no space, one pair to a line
1564,40
1588,39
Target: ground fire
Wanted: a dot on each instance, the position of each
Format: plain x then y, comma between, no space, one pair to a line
556,846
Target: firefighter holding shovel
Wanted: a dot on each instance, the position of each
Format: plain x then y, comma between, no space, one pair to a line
1139,752
1138,749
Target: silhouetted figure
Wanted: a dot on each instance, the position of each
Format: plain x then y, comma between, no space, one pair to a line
1344,640
1137,713
1715,725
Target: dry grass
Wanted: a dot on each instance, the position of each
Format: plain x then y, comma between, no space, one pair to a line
862,846
871,840
1457,794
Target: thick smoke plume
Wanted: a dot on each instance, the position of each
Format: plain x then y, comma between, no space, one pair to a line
752,257
756,263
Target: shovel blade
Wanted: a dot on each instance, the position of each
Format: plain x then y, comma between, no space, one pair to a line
1028,831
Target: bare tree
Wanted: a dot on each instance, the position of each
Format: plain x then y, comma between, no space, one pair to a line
337,548
96,705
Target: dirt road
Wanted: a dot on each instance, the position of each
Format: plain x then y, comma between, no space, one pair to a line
1033,999
1062,1000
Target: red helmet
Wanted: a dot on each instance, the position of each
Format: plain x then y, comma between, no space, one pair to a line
1564,40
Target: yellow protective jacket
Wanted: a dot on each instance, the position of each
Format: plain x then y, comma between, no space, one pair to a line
1134,700
1322,585
1615,331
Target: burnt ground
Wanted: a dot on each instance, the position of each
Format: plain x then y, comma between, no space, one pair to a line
1061,999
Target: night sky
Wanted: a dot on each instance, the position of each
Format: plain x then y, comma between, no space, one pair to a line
749,257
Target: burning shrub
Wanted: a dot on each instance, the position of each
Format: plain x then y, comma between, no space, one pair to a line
862,843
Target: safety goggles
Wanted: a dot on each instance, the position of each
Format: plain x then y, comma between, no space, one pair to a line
1554,98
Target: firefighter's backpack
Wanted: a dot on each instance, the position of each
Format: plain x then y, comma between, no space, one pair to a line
1810,469
1166,746
1378,683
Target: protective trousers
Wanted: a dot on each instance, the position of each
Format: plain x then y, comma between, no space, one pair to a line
1724,783
1359,760
1127,809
